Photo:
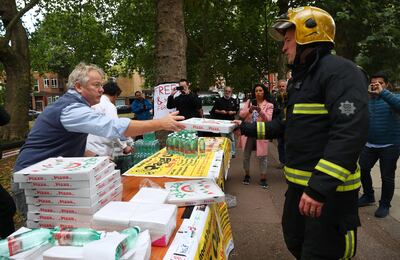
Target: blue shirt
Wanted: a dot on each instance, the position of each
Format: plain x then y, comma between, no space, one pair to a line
80,118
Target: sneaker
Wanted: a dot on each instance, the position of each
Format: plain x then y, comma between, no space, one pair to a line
382,211
365,200
264,184
246,180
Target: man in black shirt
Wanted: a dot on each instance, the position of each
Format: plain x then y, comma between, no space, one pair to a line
186,102
226,108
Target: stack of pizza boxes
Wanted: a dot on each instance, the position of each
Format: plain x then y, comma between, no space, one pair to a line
66,192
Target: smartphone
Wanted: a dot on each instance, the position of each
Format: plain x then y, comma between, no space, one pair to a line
179,88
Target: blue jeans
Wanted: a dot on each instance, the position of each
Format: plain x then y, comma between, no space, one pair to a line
387,157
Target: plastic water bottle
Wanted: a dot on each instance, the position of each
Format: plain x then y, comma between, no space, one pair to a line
129,242
23,242
74,236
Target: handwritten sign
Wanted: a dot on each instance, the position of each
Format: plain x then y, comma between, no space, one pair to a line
161,93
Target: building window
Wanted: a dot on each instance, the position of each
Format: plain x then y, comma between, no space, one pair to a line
49,100
55,98
46,83
54,83
36,86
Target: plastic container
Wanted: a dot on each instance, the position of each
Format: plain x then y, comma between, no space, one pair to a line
23,242
74,236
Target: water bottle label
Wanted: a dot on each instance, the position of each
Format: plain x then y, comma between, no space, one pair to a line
63,237
14,245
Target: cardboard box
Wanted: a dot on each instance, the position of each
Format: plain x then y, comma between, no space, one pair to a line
67,185
150,195
194,192
111,196
63,169
209,125
37,216
69,201
79,193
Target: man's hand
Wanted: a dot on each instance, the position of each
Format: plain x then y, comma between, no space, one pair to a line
223,112
231,112
310,207
127,150
376,88
170,122
173,92
237,122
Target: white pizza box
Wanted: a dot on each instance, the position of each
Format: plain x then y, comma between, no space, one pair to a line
208,125
67,185
150,195
89,169
86,210
69,201
79,193
36,216
159,219
52,224
188,236
194,192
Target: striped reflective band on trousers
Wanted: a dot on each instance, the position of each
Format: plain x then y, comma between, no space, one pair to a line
350,245
309,109
302,177
261,130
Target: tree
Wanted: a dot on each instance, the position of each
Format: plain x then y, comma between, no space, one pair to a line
14,55
170,51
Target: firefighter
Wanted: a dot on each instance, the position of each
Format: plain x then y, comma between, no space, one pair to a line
325,122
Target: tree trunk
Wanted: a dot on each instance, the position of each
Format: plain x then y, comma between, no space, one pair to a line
14,55
170,41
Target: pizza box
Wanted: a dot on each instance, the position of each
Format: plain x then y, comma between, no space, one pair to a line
70,201
209,125
111,196
66,169
194,192
84,192
52,224
67,185
37,216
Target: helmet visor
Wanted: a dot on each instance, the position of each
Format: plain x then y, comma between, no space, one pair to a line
277,31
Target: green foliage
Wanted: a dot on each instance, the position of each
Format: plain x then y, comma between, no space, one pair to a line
66,37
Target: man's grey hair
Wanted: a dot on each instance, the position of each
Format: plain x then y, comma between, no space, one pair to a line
81,74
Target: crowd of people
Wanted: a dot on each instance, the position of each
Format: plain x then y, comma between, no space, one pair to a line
318,115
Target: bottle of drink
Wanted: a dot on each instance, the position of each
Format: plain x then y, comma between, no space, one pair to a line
74,236
23,242
201,145
129,242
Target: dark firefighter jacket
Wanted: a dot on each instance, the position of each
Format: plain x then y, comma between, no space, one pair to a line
326,125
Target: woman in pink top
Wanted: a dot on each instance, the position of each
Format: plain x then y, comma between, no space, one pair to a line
260,110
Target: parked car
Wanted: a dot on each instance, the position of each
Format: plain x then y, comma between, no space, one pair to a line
207,100
33,113
123,109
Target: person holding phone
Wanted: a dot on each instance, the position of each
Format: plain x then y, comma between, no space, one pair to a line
185,101
258,109
383,143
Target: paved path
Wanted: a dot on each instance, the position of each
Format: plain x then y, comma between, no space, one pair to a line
256,220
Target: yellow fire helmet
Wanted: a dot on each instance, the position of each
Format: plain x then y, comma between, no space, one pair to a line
312,25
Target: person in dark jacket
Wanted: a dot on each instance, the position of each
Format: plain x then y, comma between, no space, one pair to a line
325,122
141,107
383,143
185,101
7,205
